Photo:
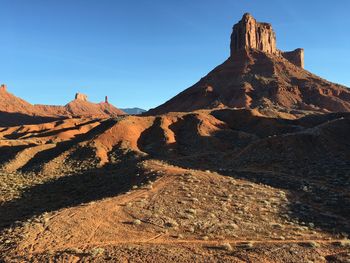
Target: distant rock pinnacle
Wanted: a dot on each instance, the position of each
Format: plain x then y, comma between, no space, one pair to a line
3,87
80,96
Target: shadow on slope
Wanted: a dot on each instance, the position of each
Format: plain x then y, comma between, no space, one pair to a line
9,152
153,140
313,165
72,190
9,119
46,132
47,155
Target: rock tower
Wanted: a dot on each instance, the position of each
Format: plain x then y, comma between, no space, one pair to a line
80,96
250,34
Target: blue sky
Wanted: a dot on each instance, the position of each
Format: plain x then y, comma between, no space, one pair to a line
141,53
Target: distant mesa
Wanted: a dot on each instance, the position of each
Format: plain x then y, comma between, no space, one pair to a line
15,111
257,75
83,97
83,108
133,111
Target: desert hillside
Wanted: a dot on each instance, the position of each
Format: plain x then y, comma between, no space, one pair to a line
225,183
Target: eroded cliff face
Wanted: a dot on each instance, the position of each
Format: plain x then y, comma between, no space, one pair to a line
295,56
80,96
250,34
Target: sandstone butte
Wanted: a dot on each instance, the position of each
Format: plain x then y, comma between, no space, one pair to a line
259,75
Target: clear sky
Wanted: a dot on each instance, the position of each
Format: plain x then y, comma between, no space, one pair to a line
141,53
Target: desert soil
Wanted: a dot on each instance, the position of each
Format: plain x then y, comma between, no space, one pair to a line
88,191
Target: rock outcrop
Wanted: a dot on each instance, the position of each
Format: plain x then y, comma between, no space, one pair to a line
296,57
257,75
3,87
80,96
81,107
250,34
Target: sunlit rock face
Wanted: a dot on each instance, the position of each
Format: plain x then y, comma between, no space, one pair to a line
250,34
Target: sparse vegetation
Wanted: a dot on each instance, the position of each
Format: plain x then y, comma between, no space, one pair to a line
226,246
342,243
137,195
94,252
313,244
137,222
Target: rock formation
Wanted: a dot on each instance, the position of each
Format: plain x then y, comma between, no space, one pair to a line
16,111
296,57
250,34
257,75
81,107
80,96
3,87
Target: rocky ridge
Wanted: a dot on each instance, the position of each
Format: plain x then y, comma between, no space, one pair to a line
15,111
